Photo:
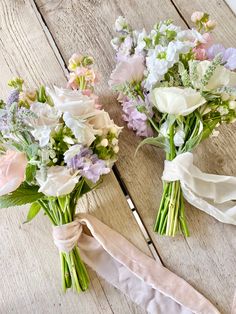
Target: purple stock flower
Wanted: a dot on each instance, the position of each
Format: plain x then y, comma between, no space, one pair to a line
228,55
135,119
13,97
90,166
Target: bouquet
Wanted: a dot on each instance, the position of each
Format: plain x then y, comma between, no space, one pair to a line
56,144
175,88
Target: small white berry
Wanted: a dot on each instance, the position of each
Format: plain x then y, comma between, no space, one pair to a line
104,142
116,149
114,141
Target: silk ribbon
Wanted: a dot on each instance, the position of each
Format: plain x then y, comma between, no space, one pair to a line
213,194
144,280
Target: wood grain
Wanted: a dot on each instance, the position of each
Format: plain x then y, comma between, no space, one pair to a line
207,259
29,262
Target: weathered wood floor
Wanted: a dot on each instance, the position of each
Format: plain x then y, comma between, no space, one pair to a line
36,40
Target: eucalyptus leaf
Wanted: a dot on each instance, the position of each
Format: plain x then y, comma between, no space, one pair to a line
193,142
159,141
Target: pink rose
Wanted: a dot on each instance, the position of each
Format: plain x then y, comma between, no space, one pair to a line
12,171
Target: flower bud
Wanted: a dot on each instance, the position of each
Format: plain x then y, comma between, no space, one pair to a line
104,142
197,16
116,149
114,141
224,96
232,104
120,24
210,25
113,130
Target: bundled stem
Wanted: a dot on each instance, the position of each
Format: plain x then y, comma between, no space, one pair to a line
171,215
61,211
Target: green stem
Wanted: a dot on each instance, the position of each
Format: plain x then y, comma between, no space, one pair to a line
171,211
63,272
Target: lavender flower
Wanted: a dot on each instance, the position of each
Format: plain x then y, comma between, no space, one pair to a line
13,97
89,165
228,55
135,119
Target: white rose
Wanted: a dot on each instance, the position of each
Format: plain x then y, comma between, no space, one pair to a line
47,119
46,115
177,101
83,132
101,121
221,76
59,181
71,101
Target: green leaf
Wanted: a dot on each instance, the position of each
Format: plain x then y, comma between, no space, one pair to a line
193,142
30,172
23,195
33,211
85,188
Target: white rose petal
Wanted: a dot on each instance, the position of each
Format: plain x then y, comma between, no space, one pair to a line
71,101
59,181
47,119
46,115
177,101
83,132
42,134
102,121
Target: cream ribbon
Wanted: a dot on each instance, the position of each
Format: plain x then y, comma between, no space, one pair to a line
213,194
144,280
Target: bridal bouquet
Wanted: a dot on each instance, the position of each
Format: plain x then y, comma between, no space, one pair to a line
56,144
175,88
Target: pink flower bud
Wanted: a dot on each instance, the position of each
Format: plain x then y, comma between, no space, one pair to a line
197,16
210,24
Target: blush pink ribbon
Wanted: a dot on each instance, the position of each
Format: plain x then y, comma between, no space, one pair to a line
144,280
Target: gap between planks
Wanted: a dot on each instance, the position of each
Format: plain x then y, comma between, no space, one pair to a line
121,183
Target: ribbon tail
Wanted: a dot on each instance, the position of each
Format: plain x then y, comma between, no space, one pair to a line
143,279
213,194
225,213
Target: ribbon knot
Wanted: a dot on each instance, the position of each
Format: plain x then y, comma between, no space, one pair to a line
66,236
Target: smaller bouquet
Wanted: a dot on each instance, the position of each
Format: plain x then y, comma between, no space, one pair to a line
176,87
56,144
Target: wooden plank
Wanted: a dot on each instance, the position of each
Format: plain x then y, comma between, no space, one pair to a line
199,259
217,155
29,262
